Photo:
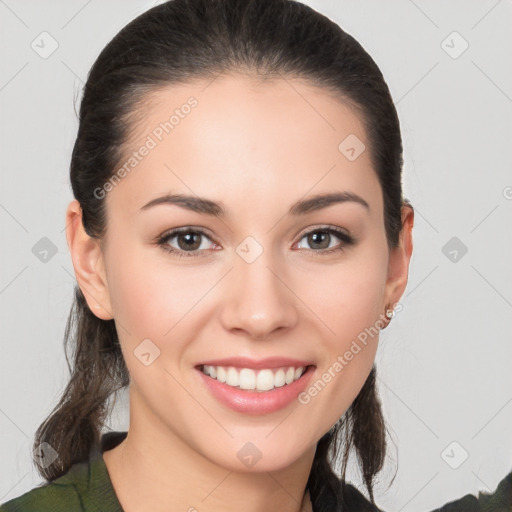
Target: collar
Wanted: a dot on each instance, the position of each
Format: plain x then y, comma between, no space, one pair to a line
98,492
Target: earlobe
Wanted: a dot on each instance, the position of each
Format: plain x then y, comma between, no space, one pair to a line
88,263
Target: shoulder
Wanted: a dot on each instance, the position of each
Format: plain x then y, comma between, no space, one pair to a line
58,495
344,495
355,501
86,486
498,501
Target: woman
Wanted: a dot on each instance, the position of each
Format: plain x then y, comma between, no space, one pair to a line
239,238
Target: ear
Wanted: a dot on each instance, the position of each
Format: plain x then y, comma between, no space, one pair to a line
88,263
399,259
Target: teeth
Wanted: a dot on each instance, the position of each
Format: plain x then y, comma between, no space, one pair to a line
259,380
221,373
246,379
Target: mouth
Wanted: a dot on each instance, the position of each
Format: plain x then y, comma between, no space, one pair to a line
256,387
258,380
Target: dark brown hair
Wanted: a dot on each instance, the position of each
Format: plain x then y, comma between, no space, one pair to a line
171,43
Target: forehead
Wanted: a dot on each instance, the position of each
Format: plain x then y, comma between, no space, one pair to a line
237,135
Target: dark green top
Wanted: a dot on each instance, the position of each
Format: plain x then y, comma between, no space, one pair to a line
87,487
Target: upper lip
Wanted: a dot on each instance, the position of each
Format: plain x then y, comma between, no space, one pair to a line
245,362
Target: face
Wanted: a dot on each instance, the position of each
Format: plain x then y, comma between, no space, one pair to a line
256,271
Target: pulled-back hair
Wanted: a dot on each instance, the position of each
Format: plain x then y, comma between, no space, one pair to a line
171,43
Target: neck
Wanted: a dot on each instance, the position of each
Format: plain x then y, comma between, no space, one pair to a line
154,470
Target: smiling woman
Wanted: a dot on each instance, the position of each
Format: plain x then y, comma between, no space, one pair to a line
237,277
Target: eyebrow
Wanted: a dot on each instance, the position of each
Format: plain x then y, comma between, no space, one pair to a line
203,205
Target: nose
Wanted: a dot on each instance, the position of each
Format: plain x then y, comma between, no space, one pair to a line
258,300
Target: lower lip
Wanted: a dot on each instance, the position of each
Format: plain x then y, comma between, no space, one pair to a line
257,402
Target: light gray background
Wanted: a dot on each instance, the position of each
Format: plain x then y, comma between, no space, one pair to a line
444,362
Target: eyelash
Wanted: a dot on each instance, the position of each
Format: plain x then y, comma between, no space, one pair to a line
347,241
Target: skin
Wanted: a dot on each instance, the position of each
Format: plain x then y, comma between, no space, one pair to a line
257,148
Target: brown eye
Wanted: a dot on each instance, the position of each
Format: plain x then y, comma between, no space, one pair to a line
326,240
186,242
319,240
189,241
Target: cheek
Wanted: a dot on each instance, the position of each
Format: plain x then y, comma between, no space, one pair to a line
347,298
150,297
